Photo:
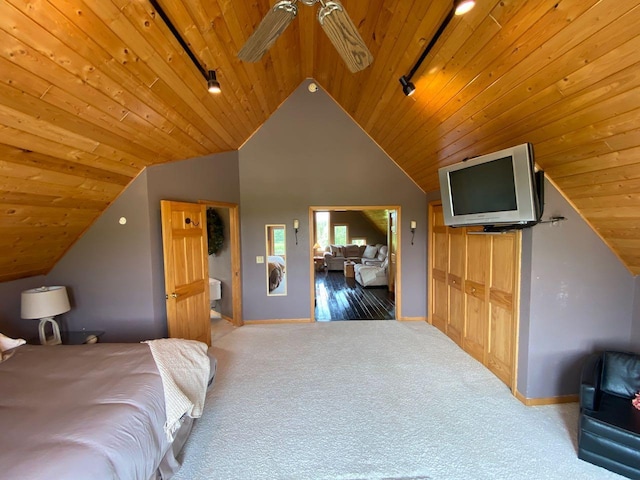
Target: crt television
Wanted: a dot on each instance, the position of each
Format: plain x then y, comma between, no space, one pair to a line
500,188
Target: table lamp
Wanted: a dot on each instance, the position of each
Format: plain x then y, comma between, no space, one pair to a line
44,303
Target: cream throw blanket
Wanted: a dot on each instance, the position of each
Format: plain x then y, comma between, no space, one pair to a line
184,369
368,273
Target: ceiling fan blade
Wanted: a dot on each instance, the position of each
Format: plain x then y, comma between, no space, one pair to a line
270,28
344,35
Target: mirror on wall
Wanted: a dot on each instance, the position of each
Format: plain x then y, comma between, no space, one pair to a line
276,259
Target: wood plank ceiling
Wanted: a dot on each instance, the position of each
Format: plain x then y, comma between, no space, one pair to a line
93,91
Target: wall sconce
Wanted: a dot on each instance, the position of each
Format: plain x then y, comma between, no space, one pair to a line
210,76
296,225
460,7
413,230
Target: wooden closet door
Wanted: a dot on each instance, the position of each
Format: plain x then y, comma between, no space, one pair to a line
439,261
501,351
457,256
475,293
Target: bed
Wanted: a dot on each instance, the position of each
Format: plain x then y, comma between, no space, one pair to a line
94,411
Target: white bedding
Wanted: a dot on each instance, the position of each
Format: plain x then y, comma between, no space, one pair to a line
184,369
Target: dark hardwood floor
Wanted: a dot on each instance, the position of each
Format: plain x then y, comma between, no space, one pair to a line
341,298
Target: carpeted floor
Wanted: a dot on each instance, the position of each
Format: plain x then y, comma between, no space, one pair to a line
370,400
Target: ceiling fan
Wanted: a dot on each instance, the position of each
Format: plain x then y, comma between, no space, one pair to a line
334,21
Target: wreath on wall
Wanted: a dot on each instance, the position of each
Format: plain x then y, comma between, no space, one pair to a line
215,231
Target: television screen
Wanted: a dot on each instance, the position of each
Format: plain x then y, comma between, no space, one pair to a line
498,188
488,187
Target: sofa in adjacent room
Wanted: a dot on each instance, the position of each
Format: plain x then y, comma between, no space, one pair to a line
372,275
375,257
336,255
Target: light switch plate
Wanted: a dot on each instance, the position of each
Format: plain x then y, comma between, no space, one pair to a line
259,259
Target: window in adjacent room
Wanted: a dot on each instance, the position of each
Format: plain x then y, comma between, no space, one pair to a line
340,234
359,241
322,229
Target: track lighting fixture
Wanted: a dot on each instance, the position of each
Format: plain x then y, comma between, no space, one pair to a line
459,7
463,6
212,82
210,76
407,87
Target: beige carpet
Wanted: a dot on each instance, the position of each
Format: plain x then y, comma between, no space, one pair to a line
370,400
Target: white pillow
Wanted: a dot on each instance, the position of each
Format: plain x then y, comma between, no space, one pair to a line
370,251
7,343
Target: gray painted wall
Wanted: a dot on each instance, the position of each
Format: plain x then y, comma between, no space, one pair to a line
310,153
580,300
108,271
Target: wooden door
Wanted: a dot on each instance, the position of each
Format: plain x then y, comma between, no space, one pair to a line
186,271
502,320
475,295
439,262
455,276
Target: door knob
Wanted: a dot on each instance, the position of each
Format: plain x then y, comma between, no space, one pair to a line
174,295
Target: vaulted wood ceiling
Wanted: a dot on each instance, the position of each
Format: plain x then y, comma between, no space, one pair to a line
91,92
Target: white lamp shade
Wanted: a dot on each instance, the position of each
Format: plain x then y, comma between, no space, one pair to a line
44,302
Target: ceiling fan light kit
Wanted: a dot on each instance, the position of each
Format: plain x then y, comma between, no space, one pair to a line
334,20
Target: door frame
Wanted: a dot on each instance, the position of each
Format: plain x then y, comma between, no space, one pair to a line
234,244
360,208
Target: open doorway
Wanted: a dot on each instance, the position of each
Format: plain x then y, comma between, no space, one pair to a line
354,262
224,267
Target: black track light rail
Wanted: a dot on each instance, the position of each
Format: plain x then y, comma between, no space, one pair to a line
433,41
179,38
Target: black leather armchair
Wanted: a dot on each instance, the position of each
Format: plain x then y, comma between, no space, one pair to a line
609,429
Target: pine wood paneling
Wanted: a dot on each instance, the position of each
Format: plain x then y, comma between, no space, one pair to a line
439,264
475,289
455,276
93,91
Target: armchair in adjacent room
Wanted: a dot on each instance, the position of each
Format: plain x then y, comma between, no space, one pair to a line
609,428
372,275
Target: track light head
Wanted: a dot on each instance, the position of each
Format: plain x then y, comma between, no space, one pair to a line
463,6
212,82
407,87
